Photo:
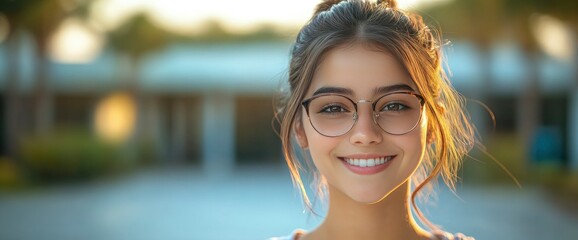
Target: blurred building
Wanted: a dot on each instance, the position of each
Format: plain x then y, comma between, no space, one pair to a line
212,104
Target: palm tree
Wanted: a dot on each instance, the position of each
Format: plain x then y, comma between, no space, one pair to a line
477,21
136,38
484,20
133,40
520,14
529,102
41,19
14,11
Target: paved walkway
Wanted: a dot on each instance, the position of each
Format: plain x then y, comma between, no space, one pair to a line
254,203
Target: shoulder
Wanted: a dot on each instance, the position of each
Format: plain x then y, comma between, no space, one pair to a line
441,235
295,235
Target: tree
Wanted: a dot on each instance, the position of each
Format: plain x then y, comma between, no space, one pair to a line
480,22
13,11
483,21
41,18
133,40
521,14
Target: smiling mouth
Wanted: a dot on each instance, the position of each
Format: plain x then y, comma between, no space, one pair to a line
370,162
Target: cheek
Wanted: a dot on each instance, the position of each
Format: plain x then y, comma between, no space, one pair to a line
415,142
315,140
320,147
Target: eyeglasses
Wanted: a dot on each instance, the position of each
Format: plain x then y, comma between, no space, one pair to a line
333,115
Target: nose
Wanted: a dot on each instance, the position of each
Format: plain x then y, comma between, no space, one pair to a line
365,131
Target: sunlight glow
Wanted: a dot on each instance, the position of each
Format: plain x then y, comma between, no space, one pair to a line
115,117
553,36
413,4
187,16
74,42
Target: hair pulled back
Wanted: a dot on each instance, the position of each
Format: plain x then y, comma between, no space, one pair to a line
410,41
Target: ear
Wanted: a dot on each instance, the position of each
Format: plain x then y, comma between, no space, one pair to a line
299,132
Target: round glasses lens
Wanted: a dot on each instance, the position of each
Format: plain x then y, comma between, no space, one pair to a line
398,113
331,115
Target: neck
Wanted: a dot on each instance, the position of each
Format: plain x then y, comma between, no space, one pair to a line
389,218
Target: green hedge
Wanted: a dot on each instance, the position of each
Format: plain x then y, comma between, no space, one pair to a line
69,155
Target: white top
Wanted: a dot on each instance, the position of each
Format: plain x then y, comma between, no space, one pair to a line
436,235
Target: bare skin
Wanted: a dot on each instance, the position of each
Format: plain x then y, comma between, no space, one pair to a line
374,206
383,220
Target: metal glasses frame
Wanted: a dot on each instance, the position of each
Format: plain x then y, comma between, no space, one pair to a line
305,103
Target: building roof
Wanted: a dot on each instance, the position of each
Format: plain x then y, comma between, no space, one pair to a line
261,67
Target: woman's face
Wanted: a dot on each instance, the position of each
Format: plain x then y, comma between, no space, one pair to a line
361,73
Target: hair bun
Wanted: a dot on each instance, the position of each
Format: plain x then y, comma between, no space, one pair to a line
325,5
389,3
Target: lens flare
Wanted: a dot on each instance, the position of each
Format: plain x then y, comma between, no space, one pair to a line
115,117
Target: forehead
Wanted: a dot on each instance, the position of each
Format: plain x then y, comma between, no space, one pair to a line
360,68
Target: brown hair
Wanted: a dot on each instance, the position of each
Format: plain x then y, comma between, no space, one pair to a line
416,47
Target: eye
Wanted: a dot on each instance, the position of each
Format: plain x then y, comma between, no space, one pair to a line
332,109
394,107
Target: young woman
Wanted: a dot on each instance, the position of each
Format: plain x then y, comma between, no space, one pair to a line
375,119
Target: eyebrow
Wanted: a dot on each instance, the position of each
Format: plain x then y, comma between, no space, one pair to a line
338,90
392,88
377,91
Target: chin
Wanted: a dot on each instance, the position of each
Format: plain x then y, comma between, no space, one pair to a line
368,196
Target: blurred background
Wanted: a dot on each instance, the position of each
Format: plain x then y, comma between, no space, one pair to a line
128,119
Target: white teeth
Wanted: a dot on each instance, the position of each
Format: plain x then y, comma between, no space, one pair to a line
372,162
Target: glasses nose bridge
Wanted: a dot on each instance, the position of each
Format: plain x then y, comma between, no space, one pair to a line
373,114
